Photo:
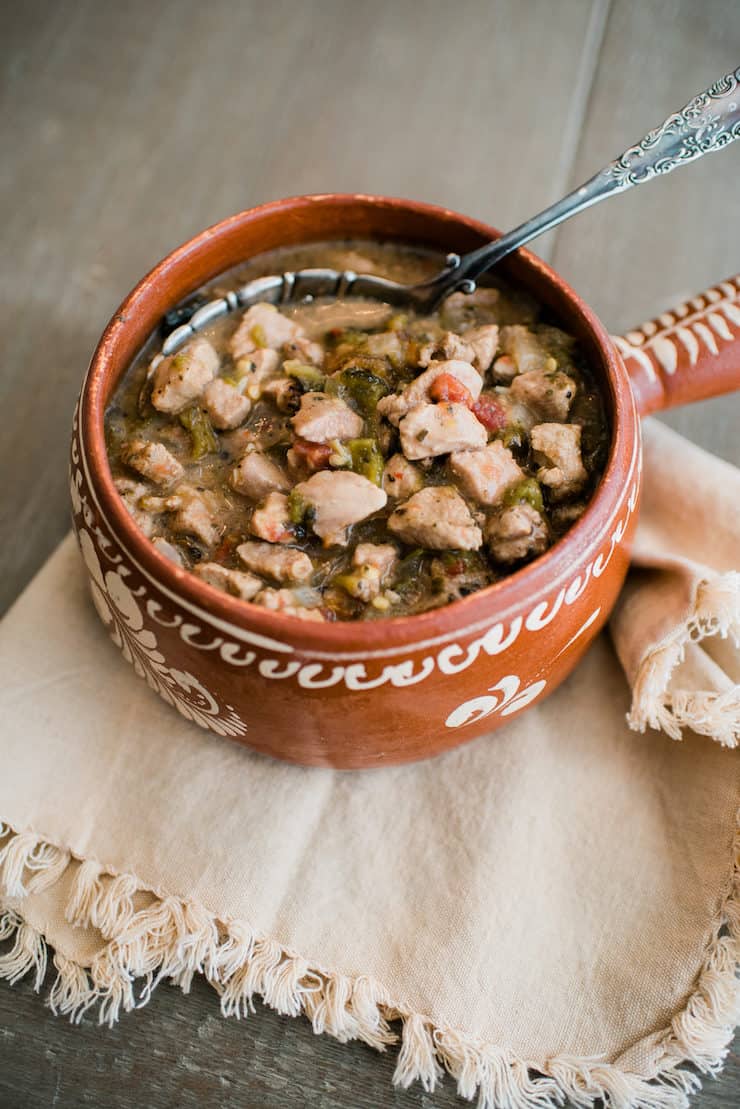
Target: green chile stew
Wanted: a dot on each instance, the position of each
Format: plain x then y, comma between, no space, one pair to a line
342,460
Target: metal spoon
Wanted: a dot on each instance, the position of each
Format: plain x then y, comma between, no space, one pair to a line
707,123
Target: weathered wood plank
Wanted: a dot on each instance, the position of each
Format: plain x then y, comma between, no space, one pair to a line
128,127
642,252
179,1053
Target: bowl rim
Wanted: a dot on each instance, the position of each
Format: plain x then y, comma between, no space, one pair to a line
388,635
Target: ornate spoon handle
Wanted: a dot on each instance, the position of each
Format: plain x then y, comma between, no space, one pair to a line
707,123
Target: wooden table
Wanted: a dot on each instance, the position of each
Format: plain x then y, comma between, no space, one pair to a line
130,125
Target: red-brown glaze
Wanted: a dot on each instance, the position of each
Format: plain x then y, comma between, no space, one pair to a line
350,694
688,353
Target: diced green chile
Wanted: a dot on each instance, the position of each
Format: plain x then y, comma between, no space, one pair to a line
349,337
203,437
525,492
310,378
301,514
515,438
297,507
364,388
367,459
410,566
411,577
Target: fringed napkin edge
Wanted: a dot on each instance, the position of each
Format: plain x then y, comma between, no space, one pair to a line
150,937
715,611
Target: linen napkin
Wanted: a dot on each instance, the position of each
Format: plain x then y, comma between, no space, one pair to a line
549,912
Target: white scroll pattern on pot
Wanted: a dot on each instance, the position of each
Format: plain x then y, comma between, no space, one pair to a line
702,323
118,607
505,698
194,701
511,698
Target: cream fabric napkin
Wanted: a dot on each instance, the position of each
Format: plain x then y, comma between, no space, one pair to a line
552,911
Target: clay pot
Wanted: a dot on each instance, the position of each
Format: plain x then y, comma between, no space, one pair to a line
371,694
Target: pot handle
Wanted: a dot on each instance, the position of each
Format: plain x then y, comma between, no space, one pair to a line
687,354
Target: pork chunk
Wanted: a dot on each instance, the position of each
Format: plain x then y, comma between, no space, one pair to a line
339,499
255,370
525,349
557,451
449,346
256,475
322,418
363,583
225,404
305,350
167,549
195,512
438,518
517,414
486,474
433,429
153,461
182,377
459,308
131,493
400,477
504,370
396,406
385,344
263,326
271,519
261,434
285,392
418,391
381,556
302,603
283,564
517,532
484,343
549,394
234,582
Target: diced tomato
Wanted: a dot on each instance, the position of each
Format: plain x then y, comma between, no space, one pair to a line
446,387
315,455
489,412
455,567
277,533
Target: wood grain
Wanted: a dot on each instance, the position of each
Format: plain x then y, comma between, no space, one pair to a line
129,126
653,247
179,1053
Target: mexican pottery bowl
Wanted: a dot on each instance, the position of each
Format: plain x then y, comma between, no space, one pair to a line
374,693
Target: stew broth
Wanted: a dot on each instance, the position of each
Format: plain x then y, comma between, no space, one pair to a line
343,460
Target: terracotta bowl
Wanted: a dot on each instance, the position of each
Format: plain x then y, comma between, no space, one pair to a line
370,694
